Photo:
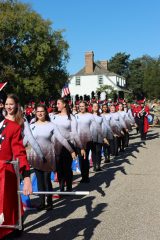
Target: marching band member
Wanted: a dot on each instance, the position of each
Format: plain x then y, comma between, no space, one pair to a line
108,133
29,111
67,125
11,147
142,113
135,109
87,131
124,139
54,111
1,109
46,134
96,155
130,118
116,124
74,110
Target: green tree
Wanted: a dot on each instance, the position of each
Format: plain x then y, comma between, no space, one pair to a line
33,56
136,76
109,90
120,64
152,79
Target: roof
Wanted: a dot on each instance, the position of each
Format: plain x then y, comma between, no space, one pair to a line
98,70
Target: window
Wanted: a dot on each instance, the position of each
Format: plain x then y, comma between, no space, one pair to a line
78,81
117,80
100,80
121,82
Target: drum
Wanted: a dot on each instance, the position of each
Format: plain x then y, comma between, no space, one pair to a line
150,119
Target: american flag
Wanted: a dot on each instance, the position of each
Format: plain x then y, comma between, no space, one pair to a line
65,90
2,85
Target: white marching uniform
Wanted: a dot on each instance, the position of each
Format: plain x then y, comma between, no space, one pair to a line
106,126
116,123
45,135
68,129
87,128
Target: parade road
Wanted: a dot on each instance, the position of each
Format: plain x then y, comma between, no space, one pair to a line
124,200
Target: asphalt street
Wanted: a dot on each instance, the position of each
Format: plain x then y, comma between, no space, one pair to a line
124,200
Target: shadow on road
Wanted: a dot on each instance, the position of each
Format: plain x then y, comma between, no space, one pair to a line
71,228
61,228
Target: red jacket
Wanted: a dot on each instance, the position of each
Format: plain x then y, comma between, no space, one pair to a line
146,110
29,111
50,109
11,148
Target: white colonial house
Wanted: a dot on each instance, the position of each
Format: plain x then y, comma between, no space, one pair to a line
93,76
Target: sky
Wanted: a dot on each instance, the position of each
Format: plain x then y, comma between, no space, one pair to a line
105,27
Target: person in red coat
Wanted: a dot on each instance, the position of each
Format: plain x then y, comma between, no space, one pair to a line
11,147
29,112
135,109
142,114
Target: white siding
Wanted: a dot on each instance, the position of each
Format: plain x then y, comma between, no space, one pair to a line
89,84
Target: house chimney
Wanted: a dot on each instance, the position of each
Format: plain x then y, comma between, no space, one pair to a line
104,64
89,62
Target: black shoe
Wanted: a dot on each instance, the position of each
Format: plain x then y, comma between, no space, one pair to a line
107,160
61,186
121,150
40,207
98,169
69,189
14,235
116,154
82,180
49,207
85,180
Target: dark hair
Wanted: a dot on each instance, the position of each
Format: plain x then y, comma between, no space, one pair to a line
112,105
105,104
68,109
98,112
47,118
122,105
18,114
85,103
75,106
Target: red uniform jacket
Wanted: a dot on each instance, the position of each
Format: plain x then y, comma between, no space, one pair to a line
11,147
146,110
29,111
50,109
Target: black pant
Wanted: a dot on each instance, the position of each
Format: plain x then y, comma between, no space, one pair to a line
96,155
141,128
44,184
137,123
123,141
114,146
64,169
107,150
126,139
84,163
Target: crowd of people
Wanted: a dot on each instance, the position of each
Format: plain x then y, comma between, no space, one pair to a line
49,138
